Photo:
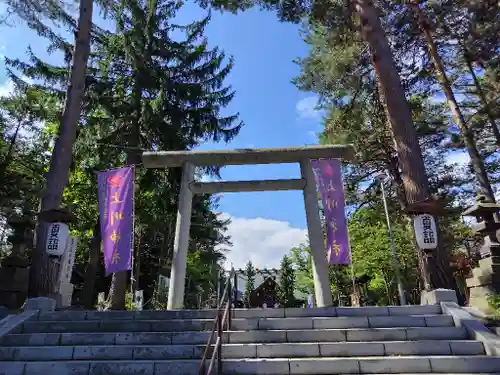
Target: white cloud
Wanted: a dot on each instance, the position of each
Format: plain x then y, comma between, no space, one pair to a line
263,241
307,108
458,157
437,98
6,88
313,135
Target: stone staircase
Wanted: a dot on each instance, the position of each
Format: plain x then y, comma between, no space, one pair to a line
369,340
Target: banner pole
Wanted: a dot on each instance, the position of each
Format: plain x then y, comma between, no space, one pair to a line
132,257
353,282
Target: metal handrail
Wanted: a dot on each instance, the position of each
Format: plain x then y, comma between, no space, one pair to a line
218,324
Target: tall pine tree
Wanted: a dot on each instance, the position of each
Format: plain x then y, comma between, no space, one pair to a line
286,291
170,92
249,284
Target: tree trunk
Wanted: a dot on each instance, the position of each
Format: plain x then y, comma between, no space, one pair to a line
467,134
403,132
92,266
410,158
433,271
484,102
397,182
44,275
117,291
443,278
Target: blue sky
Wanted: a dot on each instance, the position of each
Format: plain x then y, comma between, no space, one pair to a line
267,102
275,114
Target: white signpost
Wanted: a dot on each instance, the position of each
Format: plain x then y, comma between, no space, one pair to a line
310,301
138,300
66,270
101,301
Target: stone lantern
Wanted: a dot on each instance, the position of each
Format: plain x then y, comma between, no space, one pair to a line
21,238
14,271
485,278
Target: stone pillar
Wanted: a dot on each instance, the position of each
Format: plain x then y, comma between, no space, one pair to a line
15,267
182,227
314,228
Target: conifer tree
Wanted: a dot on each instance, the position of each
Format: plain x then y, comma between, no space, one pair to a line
249,284
484,185
286,291
172,93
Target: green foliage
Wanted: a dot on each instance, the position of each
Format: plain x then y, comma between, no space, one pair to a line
371,253
22,151
249,283
300,257
286,291
340,276
371,250
494,302
340,284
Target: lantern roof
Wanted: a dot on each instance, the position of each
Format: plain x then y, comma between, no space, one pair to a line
481,207
57,215
19,221
428,206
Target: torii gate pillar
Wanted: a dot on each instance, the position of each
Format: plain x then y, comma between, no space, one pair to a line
181,242
322,289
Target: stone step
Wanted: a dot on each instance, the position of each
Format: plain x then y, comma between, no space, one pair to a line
353,349
278,366
237,337
237,324
286,350
241,313
344,322
359,335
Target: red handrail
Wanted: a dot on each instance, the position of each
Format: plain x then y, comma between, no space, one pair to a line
219,321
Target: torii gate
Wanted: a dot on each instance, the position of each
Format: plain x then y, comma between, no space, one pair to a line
188,160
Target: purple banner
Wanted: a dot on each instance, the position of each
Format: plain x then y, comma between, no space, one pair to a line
116,213
331,188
